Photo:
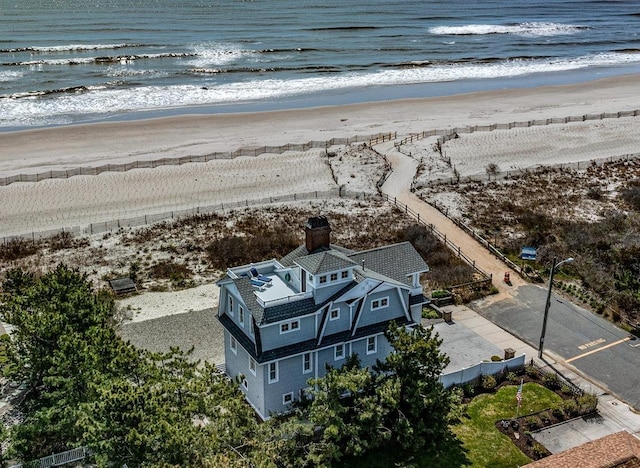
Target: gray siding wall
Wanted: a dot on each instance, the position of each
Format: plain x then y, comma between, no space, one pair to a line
341,324
290,379
394,310
237,364
326,356
237,303
323,293
272,339
416,313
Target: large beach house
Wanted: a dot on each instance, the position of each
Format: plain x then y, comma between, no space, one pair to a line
285,319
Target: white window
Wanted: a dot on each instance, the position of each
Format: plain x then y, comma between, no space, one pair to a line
245,384
252,365
306,363
287,398
380,303
234,345
251,327
338,352
289,326
334,314
273,372
345,274
230,305
323,279
334,276
372,345
241,315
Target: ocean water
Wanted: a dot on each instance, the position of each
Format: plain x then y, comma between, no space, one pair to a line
70,61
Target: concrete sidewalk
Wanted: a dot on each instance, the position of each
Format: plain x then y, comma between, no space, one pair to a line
470,338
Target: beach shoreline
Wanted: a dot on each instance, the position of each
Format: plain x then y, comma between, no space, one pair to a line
74,203
94,144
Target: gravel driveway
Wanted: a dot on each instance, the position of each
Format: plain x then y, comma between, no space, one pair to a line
199,329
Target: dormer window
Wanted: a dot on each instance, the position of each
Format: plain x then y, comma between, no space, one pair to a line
345,274
380,303
230,305
289,326
323,279
334,276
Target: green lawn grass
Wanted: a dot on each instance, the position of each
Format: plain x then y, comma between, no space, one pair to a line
484,444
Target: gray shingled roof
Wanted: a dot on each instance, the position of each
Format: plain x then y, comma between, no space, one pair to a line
395,261
324,262
283,311
290,259
390,263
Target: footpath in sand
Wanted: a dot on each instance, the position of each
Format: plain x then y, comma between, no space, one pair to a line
398,186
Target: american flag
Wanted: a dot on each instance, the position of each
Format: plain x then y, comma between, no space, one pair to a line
519,394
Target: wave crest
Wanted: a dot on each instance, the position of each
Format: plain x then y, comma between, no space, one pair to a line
70,48
523,29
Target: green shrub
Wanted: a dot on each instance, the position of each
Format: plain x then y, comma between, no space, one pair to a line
538,450
429,313
587,402
512,377
496,358
469,389
440,293
558,411
570,408
551,381
532,371
488,382
457,408
532,422
564,388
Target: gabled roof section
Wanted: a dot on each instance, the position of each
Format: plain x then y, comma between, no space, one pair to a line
323,262
283,311
245,289
299,308
290,259
396,261
361,274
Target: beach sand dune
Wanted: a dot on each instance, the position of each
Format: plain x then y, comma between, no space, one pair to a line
529,147
80,200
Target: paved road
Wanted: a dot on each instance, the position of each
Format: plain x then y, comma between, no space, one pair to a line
574,336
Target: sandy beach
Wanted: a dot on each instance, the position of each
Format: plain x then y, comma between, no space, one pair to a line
95,144
79,200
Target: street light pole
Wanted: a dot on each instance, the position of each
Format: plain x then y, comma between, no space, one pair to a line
554,266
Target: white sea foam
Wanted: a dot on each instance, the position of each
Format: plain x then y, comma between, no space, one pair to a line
215,54
79,47
11,75
115,72
102,100
523,29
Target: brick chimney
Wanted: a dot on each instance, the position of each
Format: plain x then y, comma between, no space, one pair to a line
317,233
